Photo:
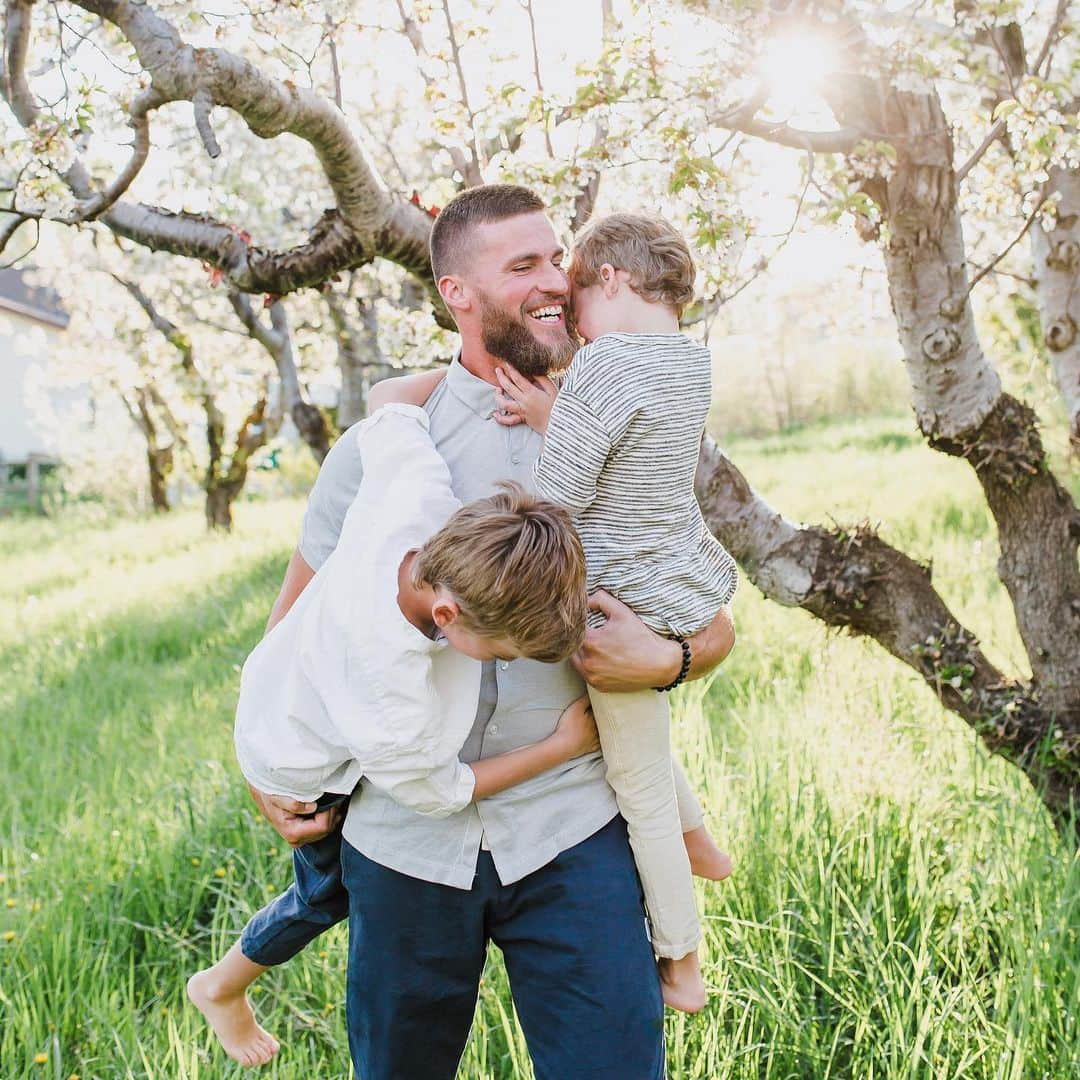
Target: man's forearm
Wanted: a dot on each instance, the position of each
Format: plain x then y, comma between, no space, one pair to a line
624,655
710,646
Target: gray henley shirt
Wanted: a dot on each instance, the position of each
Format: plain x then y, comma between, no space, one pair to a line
526,826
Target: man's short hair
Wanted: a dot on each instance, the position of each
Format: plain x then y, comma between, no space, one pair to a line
648,248
515,566
475,206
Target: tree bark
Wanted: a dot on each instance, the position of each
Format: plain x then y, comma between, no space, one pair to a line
957,394
1056,257
159,459
225,482
851,579
277,340
360,357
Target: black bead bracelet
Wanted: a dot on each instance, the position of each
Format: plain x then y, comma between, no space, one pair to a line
684,669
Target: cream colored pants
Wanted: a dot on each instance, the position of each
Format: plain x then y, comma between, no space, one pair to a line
656,800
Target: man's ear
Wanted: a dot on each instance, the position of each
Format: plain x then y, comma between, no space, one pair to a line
454,292
444,611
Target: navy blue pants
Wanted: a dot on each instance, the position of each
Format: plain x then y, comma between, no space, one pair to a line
572,934
314,902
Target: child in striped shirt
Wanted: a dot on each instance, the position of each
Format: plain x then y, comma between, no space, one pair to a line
622,438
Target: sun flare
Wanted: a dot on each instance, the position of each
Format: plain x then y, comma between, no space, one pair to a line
794,67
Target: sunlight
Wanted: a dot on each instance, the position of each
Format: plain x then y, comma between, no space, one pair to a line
794,66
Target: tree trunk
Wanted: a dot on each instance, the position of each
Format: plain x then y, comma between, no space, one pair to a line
219,500
224,484
160,463
853,580
1056,256
159,459
957,394
360,357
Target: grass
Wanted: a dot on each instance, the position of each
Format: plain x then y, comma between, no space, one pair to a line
901,907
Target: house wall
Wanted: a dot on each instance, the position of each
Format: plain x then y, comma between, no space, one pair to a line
25,344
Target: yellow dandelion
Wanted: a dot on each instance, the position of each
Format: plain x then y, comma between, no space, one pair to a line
271,889
40,1059
323,954
220,872
74,1076
272,852
256,989
9,935
35,906
10,902
196,861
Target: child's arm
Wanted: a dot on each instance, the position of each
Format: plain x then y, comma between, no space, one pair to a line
438,789
525,399
575,735
407,389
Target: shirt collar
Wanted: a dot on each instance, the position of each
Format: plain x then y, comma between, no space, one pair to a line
473,392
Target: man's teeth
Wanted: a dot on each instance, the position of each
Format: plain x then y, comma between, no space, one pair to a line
547,314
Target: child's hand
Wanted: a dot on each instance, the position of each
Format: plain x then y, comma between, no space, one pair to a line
577,729
522,398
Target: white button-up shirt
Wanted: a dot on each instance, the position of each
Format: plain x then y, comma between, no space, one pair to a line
344,685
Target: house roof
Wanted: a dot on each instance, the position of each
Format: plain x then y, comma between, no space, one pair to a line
33,301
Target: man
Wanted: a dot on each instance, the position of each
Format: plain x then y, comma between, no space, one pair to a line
544,869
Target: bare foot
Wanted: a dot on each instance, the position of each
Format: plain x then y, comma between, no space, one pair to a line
706,859
681,983
233,1021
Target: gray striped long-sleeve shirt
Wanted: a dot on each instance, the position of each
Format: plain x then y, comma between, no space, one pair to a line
620,453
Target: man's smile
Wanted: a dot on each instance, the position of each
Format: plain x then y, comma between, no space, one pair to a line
549,314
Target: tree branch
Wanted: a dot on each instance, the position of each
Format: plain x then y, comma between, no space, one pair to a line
276,339
853,580
140,124
202,102
991,137
473,177
1047,46
1015,240
369,220
528,5
586,198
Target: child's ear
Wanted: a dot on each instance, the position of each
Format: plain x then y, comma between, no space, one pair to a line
444,611
609,279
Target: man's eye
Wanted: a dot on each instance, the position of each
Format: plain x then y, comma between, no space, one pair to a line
522,269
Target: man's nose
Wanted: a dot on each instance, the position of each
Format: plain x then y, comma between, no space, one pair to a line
555,280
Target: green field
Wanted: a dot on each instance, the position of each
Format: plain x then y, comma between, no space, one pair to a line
901,906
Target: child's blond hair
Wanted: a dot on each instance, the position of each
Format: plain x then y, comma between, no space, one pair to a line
516,568
648,248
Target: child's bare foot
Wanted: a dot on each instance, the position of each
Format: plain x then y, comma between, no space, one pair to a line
706,859
233,1021
681,983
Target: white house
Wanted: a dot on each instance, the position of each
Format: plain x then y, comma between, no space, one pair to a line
31,323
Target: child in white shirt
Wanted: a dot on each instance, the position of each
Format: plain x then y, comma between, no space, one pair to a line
622,438
356,680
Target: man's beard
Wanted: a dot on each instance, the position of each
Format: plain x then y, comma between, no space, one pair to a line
510,339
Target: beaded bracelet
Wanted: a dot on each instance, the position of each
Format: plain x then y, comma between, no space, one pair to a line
684,669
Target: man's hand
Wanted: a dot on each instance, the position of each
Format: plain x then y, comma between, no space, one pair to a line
285,815
624,655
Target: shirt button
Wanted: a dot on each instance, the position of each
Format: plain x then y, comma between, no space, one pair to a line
505,665
493,729
515,459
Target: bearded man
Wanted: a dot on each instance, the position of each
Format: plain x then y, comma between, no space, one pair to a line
544,869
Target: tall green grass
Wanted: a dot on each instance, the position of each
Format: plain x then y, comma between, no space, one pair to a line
901,906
